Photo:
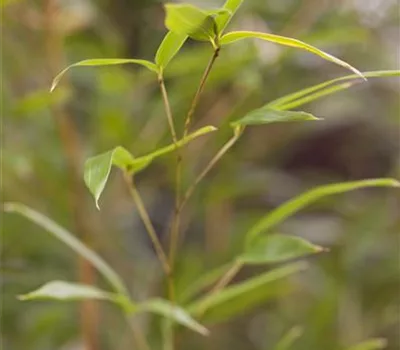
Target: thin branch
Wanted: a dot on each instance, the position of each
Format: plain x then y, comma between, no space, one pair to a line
196,98
139,339
147,222
168,110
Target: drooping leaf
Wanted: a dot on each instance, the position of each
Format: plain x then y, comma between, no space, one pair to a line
191,21
178,314
289,338
267,115
371,344
232,6
104,62
66,291
98,168
292,206
277,248
71,241
282,40
169,48
298,98
241,297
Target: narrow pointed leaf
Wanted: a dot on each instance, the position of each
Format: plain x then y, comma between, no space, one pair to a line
169,47
104,62
327,87
372,344
289,339
176,313
277,248
294,205
98,168
71,241
267,115
191,21
282,40
241,297
223,20
66,291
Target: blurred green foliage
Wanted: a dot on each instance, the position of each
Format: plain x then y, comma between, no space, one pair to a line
345,296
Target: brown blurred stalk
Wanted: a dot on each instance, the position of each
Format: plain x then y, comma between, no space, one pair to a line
69,138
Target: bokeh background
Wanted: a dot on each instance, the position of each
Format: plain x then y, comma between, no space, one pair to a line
346,296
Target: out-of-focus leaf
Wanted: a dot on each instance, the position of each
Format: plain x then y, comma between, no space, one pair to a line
267,115
371,344
289,339
223,20
278,39
328,87
241,297
71,241
104,62
66,291
178,314
277,248
204,281
292,206
97,169
191,21
169,48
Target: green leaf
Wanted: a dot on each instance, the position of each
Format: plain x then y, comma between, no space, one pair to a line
97,169
169,48
300,97
292,206
277,248
242,296
223,20
104,62
372,344
289,338
235,36
191,21
267,115
203,282
66,291
179,315
71,241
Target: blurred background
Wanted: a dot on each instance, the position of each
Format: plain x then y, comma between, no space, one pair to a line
345,296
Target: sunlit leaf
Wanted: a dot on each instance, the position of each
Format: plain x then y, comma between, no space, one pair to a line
371,344
278,39
71,241
277,248
169,48
104,62
97,169
267,115
309,94
179,315
289,338
191,21
292,206
241,297
223,20
66,291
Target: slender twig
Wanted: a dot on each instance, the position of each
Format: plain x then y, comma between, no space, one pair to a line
167,105
174,227
196,98
147,222
189,192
